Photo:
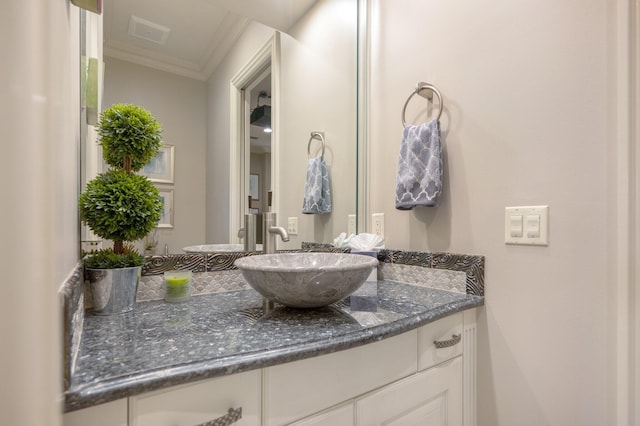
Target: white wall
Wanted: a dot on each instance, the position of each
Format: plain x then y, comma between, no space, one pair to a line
179,104
527,88
39,168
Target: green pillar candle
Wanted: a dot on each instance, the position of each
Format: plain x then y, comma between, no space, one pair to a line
178,288
177,281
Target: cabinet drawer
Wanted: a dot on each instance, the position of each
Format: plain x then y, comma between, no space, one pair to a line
191,405
301,388
109,414
430,398
340,416
442,330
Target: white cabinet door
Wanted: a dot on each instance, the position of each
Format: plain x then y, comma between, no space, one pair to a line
340,416
430,398
191,405
110,414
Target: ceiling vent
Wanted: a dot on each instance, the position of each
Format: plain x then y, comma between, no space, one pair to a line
148,30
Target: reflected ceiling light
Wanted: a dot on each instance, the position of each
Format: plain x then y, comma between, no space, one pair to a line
268,130
261,115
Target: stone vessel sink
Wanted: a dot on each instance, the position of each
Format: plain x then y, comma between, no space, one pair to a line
306,280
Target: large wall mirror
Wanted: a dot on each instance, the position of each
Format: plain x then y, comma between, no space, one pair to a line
178,59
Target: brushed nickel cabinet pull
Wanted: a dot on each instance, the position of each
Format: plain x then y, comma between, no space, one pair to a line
228,419
455,339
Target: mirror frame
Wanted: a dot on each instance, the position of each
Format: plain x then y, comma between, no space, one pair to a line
363,46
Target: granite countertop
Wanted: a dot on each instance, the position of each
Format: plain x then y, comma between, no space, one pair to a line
162,344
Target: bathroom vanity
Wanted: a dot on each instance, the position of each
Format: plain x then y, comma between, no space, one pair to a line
360,361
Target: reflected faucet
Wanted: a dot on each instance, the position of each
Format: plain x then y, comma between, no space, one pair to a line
270,230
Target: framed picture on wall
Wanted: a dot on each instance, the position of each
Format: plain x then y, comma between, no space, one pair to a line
166,216
254,187
160,168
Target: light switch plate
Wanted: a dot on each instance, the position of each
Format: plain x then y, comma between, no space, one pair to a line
351,224
535,224
377,220
292,226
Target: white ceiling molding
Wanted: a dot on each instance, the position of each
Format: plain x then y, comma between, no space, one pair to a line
220,46
155,60
229,34
201,32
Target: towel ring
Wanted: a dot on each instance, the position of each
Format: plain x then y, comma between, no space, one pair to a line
429,95
320,137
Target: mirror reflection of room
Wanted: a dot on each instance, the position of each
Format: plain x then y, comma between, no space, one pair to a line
183,76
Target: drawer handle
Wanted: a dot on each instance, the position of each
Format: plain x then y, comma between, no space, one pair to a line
228,419
455,339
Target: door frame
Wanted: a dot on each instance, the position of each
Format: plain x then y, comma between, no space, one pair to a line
625,301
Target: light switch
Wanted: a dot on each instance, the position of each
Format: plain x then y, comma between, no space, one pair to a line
526,225
515,224
533,226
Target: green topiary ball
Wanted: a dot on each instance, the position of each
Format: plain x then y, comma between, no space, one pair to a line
120,206
129,131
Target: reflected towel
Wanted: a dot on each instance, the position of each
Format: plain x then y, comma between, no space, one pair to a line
419,179
317,194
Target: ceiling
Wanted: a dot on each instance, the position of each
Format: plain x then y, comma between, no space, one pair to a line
198,33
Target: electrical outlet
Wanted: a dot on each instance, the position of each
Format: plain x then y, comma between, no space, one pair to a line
351,224
377,220
292,226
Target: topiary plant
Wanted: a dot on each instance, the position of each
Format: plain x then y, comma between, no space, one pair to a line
119,205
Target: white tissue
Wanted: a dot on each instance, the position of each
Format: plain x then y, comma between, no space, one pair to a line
342,239
365,242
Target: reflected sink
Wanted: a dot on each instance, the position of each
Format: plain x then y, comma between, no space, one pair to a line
216,248
306,280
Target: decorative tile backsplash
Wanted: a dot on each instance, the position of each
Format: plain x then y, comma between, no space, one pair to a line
214,272
471,265
441,279
72,299
152,286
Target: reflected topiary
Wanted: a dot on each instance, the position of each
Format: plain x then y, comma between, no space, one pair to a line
128,133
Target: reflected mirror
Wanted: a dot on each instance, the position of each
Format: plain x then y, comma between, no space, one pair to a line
177,59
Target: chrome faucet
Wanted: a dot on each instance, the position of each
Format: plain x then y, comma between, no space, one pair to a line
249,232
270,230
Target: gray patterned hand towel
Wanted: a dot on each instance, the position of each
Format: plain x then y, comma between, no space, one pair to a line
317,194
419,180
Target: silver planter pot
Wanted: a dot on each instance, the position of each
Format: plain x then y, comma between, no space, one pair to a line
113,290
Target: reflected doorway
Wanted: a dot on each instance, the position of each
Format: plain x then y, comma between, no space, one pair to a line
254,89
258,147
